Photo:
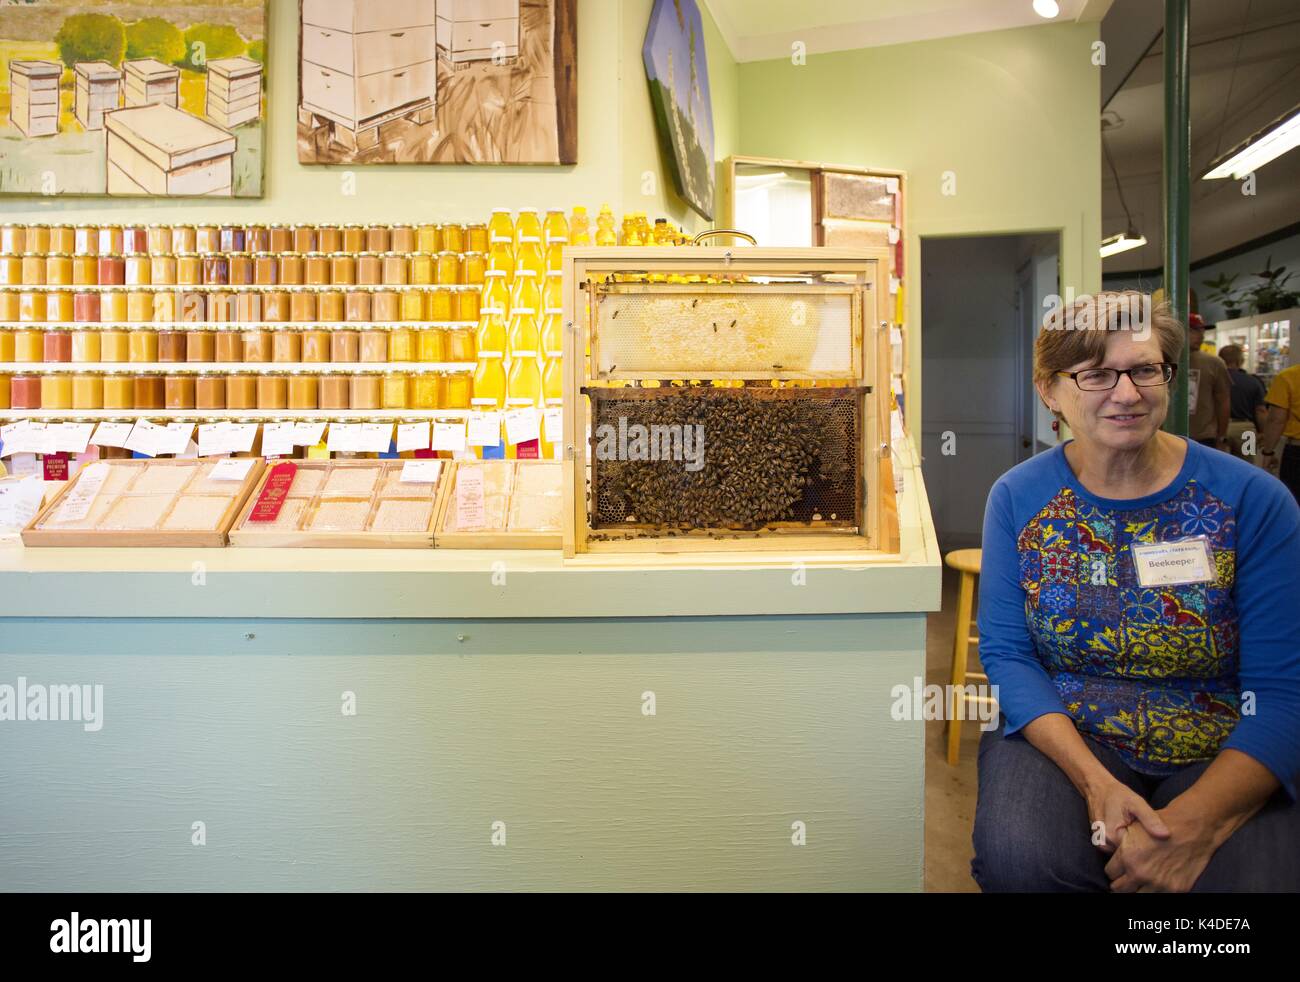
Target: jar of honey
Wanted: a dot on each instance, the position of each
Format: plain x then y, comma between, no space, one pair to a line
241,392
425,390
114,345
6,346
110,239
229,346
276,306
29,345
4,392
364,391
162,269
344,346
449,268
304,238
56,391
453,238
428,239
396,393
221,308
241,269
189,269
185,238
150,392
329,238
374,345
343,269
58,346
315,346
112,306
86,346
11,270
402,238
476,238
280,238
135,240
25,392
466,305
201,346
423,268
31,306
60,306
164,307
357,306
302,306
85,270
401,344
460,390
354,238
303,391
58,269
10,302
334,392
370,269
143,343
216,270
257,345
385,306
438,305
329,305
207,239
158,239
378,239
210,392
272,392
473,268
178,391
138,270
286,346
431,345
119,391
248,308
394,269
316,269
13,238
412,305
85,240
139,306
460,344
87,392
266,269
231,238
33,269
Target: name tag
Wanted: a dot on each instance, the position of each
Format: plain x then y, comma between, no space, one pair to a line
1174,563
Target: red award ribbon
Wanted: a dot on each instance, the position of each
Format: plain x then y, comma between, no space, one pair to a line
271,500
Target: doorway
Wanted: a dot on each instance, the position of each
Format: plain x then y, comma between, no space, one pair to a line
981,304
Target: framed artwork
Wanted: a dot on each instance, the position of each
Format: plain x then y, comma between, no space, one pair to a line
132,98
678,72
438,82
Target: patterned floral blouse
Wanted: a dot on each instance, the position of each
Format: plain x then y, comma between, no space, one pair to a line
1166,676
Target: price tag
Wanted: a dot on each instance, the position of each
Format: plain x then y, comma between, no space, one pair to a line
24,465
211,439
232,469
39,439
553,417
484,429
14,437
76,503
449,436
471,510
19,503
144,438
241,437
72,438
421,471
375,437
522,425
412,436
111,434
278,439
175,438
343,437
307,434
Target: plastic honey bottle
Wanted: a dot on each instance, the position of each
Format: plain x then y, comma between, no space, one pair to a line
555,227
524,391
528,224
526,292
552,399
501,255
555,255
553,292
500,226
496,294
489,395
529,255
491,335
605,234
523,335
580,227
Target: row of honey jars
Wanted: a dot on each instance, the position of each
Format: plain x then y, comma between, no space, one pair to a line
103,240
360,304
293,391
256,345
447,268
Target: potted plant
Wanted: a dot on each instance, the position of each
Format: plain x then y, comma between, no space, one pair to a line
1225,295
1270,295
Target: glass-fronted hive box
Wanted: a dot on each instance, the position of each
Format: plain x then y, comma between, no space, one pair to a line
727,399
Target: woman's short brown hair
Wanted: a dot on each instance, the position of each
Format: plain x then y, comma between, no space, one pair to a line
1077,334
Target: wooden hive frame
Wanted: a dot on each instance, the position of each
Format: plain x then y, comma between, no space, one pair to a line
863,273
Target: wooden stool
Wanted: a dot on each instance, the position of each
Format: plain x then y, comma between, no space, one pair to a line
967,562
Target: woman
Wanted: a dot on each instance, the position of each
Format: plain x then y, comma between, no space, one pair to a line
1151,733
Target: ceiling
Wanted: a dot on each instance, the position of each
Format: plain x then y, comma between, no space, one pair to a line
756,30
1245,67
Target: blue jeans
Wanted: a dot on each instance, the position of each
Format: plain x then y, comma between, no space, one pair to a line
1032,832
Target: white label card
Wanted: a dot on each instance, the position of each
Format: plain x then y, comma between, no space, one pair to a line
484,429
343,437
278,439
553,417
111,434
175,438
471,510
16,437
421,471
72,438
144,438
1174,563
449,436
232,469
19,502
76,503
307,434
412,436
522,425
375,437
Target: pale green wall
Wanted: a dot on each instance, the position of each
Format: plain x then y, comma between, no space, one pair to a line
1012,113
615,138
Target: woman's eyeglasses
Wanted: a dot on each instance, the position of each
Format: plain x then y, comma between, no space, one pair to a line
1101,379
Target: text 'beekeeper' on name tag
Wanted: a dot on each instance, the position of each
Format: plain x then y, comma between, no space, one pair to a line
1174,563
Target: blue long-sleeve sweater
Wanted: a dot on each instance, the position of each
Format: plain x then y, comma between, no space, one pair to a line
1166,676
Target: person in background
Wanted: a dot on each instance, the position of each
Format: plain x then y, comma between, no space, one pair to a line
1209,391
1279,438
1247,403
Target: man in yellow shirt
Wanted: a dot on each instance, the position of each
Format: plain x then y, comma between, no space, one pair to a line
1280,441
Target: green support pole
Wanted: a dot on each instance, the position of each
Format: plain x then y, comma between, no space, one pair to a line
1177,174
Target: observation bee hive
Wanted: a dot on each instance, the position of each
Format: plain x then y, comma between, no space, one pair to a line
727,399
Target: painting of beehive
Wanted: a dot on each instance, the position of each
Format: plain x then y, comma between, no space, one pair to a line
73,75
438,81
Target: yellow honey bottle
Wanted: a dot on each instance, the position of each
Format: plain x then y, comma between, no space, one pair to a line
501,226
524,335
489,394
527,225
491,334
496,293
526,292
553,291
555,227
524,389
605,234
529,256
580,227
501,258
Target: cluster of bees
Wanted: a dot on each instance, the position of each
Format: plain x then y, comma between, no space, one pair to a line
759,456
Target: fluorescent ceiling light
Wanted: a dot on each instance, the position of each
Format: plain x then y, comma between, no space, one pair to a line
1047,8
1122,242
1271,142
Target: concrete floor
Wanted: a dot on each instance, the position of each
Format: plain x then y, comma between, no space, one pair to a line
949,791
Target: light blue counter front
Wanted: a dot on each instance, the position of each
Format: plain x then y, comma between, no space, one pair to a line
440,720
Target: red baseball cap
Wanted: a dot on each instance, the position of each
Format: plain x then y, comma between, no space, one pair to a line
1195,320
